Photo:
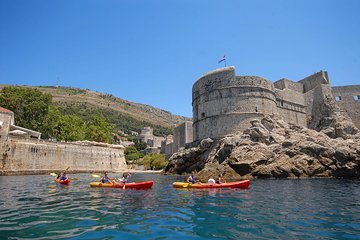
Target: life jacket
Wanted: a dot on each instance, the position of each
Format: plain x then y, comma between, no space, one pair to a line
192,179
125,179
106,179
63,177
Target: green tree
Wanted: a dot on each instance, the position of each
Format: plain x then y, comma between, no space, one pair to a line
99,129
140,145
50,124
70,128
131,154
154,161
30,106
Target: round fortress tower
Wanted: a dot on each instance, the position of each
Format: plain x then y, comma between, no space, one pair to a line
224,103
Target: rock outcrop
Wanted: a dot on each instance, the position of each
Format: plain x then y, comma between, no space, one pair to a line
272,148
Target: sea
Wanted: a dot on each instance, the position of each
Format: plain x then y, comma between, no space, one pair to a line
36,207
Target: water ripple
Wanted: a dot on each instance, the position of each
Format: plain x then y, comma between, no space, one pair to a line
270,209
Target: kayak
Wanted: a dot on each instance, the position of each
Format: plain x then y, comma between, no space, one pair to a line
239,184
136,185
66,181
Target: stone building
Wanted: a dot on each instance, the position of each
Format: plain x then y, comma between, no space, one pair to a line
6,120
153,142
224,103
8,127
167,145
348,98
183,134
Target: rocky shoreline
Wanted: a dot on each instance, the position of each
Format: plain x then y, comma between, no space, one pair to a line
272,148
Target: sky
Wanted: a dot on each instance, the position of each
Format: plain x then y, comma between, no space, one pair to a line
152,52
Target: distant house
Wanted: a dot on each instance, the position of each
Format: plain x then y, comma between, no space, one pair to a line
8,127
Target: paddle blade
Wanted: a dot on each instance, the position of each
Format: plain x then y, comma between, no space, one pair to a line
124,186
53,174
75,178
95,175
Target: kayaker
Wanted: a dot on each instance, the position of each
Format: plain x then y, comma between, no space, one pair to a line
105,178
125,177
62,176
191,179
220,179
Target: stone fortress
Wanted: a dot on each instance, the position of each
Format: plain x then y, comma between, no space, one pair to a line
182,134
224,103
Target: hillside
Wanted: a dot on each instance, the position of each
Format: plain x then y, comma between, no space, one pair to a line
124,114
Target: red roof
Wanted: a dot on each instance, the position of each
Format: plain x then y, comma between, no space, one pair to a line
5,110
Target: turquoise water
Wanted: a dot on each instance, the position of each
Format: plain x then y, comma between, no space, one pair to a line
35,207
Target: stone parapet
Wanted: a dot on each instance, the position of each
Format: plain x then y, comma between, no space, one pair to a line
37,155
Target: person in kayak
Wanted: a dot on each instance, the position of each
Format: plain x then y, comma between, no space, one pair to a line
125,177
191,179
62,176
220,179
106,178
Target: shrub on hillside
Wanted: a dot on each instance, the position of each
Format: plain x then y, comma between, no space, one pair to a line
154,161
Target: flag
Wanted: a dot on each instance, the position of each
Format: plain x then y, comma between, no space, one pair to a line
222,59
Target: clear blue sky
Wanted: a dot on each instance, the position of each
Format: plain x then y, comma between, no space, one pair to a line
152,52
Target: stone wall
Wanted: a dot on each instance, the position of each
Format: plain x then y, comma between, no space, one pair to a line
288,84
291,106
314,80
33,155
348,99
155,141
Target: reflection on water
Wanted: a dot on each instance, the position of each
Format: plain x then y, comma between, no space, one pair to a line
38,208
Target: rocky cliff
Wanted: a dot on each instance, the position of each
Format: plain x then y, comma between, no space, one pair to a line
272,148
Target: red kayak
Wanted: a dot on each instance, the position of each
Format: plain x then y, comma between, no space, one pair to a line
66,181
239,184
134,185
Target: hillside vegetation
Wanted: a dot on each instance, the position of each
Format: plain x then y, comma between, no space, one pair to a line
125,115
